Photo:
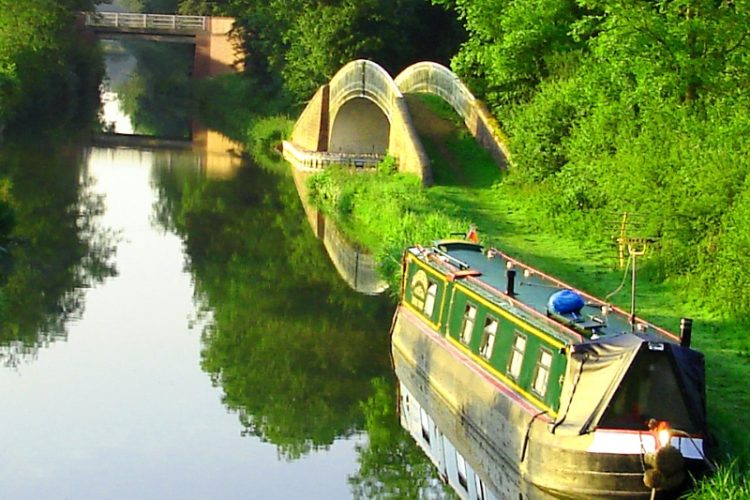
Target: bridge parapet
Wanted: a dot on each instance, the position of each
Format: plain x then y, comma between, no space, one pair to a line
434,78
362,78
156,22
306,160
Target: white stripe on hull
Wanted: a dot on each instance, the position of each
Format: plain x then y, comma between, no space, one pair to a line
636,443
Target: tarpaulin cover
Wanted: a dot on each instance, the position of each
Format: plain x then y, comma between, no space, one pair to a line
661,380
691,372
565,302
594,372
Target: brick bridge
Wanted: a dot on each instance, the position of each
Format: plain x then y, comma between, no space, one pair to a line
361,114
215,53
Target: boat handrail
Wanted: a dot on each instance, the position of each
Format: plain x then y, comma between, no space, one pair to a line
588,296
495,292
461,265
526,308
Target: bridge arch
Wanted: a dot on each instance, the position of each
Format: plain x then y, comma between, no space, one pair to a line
362,112
333,128
433,78
362,96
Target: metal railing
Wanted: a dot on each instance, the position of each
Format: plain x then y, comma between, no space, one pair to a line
318,160
360,77
163,22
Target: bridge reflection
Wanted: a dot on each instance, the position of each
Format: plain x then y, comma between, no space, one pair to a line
206,150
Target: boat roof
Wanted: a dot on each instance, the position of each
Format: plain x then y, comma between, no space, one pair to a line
485,273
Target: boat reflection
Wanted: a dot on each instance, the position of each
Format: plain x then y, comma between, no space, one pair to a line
469,464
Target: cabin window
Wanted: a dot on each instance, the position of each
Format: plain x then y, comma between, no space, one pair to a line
488,338
516,356
461,468
470,315
479,484
424,420
429,303
543,364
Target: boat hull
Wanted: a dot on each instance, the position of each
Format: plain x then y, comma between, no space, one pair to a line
508,429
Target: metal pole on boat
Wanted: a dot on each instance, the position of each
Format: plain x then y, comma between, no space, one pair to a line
636,248
632,297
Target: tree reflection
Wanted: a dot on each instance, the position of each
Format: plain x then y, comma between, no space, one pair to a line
293,348
59,247
391,465
301,358
157,96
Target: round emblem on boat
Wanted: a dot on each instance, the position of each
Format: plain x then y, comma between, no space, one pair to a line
419,289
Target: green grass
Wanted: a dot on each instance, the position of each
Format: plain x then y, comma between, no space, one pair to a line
729,482
385,215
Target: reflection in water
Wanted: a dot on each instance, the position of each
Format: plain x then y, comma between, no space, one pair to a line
216,272
142,94
220,156
61,248
470,464
123,409
293,349
390,465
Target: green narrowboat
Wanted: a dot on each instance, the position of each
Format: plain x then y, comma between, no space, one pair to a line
582,399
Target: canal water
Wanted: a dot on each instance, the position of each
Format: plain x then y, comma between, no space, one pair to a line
171,328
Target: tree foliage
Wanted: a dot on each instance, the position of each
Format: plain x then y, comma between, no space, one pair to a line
626,106
45,70
300,44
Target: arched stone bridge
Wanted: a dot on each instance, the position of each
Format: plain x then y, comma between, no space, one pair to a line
361,114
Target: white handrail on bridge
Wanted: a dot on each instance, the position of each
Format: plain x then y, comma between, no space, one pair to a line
146,21
318,160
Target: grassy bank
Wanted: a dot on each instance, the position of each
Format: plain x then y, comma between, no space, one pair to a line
386,212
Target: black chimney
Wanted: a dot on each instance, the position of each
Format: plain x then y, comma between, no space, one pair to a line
686,331
511,289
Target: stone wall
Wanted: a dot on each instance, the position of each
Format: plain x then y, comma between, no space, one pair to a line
405,145
311,130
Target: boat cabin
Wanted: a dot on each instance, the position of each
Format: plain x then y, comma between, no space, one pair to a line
548,341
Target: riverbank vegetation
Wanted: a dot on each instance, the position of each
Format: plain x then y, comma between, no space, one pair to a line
487,198
628,107
46,70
